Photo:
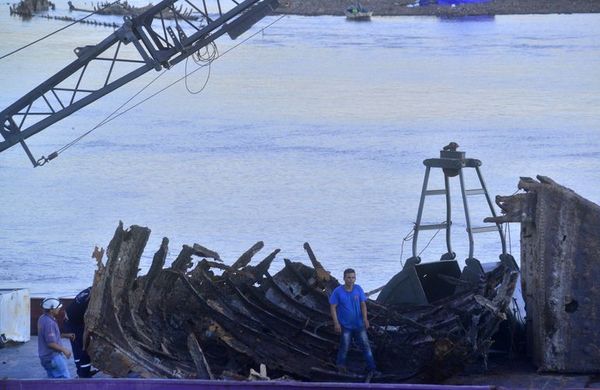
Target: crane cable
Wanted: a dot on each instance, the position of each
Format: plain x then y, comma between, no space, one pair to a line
57,31
115,114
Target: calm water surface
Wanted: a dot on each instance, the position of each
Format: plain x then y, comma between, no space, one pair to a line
311,131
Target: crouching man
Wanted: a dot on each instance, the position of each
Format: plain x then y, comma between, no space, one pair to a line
53,355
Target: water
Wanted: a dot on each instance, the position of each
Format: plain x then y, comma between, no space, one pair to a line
312,131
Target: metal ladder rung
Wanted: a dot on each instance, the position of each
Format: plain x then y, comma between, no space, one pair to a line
484,229
435,192
434,226
477,191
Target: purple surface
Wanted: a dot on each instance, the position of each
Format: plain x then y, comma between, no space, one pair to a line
173,384
450,2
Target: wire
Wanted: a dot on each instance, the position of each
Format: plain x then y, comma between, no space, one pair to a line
202,60
113,116
109,117
429,242
406,238
57,31
409,237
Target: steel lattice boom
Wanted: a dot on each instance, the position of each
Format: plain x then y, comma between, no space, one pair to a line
162,36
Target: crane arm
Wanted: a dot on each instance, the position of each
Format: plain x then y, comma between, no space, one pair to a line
159,41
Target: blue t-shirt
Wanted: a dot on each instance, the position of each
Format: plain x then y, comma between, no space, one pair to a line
348,306
48,332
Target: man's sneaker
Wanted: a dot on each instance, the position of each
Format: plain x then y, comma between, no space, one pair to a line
88,373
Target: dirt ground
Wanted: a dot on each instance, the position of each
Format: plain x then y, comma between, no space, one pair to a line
404,7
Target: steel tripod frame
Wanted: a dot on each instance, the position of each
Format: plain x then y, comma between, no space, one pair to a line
453,163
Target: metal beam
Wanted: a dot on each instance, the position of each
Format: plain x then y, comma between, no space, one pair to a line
155,49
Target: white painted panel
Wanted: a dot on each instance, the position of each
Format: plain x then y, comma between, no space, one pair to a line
15,309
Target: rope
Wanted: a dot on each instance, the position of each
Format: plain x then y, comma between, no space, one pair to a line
43,160
55,32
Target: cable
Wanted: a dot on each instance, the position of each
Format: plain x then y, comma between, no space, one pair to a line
107,119
202,60
55,32
431,239
406,238
112,115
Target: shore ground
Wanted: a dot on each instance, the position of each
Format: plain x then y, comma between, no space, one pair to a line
406,7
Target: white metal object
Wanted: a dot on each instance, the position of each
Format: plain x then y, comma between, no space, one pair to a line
15,314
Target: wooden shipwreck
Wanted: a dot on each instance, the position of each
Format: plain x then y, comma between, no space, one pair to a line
27,8
126,9
202,318
560,260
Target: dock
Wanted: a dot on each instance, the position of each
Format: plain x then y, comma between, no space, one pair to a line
20,369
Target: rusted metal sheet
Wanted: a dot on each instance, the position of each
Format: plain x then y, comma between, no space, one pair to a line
560,264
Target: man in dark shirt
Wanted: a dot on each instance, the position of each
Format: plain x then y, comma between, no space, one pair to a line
74,322
349,311
53,355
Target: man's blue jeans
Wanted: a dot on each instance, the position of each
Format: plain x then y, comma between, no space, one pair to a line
361,338
56,366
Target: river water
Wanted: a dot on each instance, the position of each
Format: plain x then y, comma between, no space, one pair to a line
313,130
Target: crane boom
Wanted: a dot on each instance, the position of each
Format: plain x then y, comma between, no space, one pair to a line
160,41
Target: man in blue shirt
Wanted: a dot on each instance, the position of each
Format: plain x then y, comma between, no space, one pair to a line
349,311
53,355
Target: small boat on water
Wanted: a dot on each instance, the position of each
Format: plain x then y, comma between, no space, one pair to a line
358,13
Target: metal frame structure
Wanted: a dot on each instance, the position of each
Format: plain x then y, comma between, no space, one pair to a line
452,163
423,283
161,42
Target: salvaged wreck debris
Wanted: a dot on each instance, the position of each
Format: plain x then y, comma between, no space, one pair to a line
124,8
560,260
201,318
26,8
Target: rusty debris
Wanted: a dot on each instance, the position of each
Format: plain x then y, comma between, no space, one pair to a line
201,318
560,263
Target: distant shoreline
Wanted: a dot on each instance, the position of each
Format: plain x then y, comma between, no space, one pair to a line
402,8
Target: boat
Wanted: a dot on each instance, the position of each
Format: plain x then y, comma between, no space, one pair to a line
358,13
200,318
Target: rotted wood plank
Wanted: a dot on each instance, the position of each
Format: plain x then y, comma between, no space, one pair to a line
202,367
